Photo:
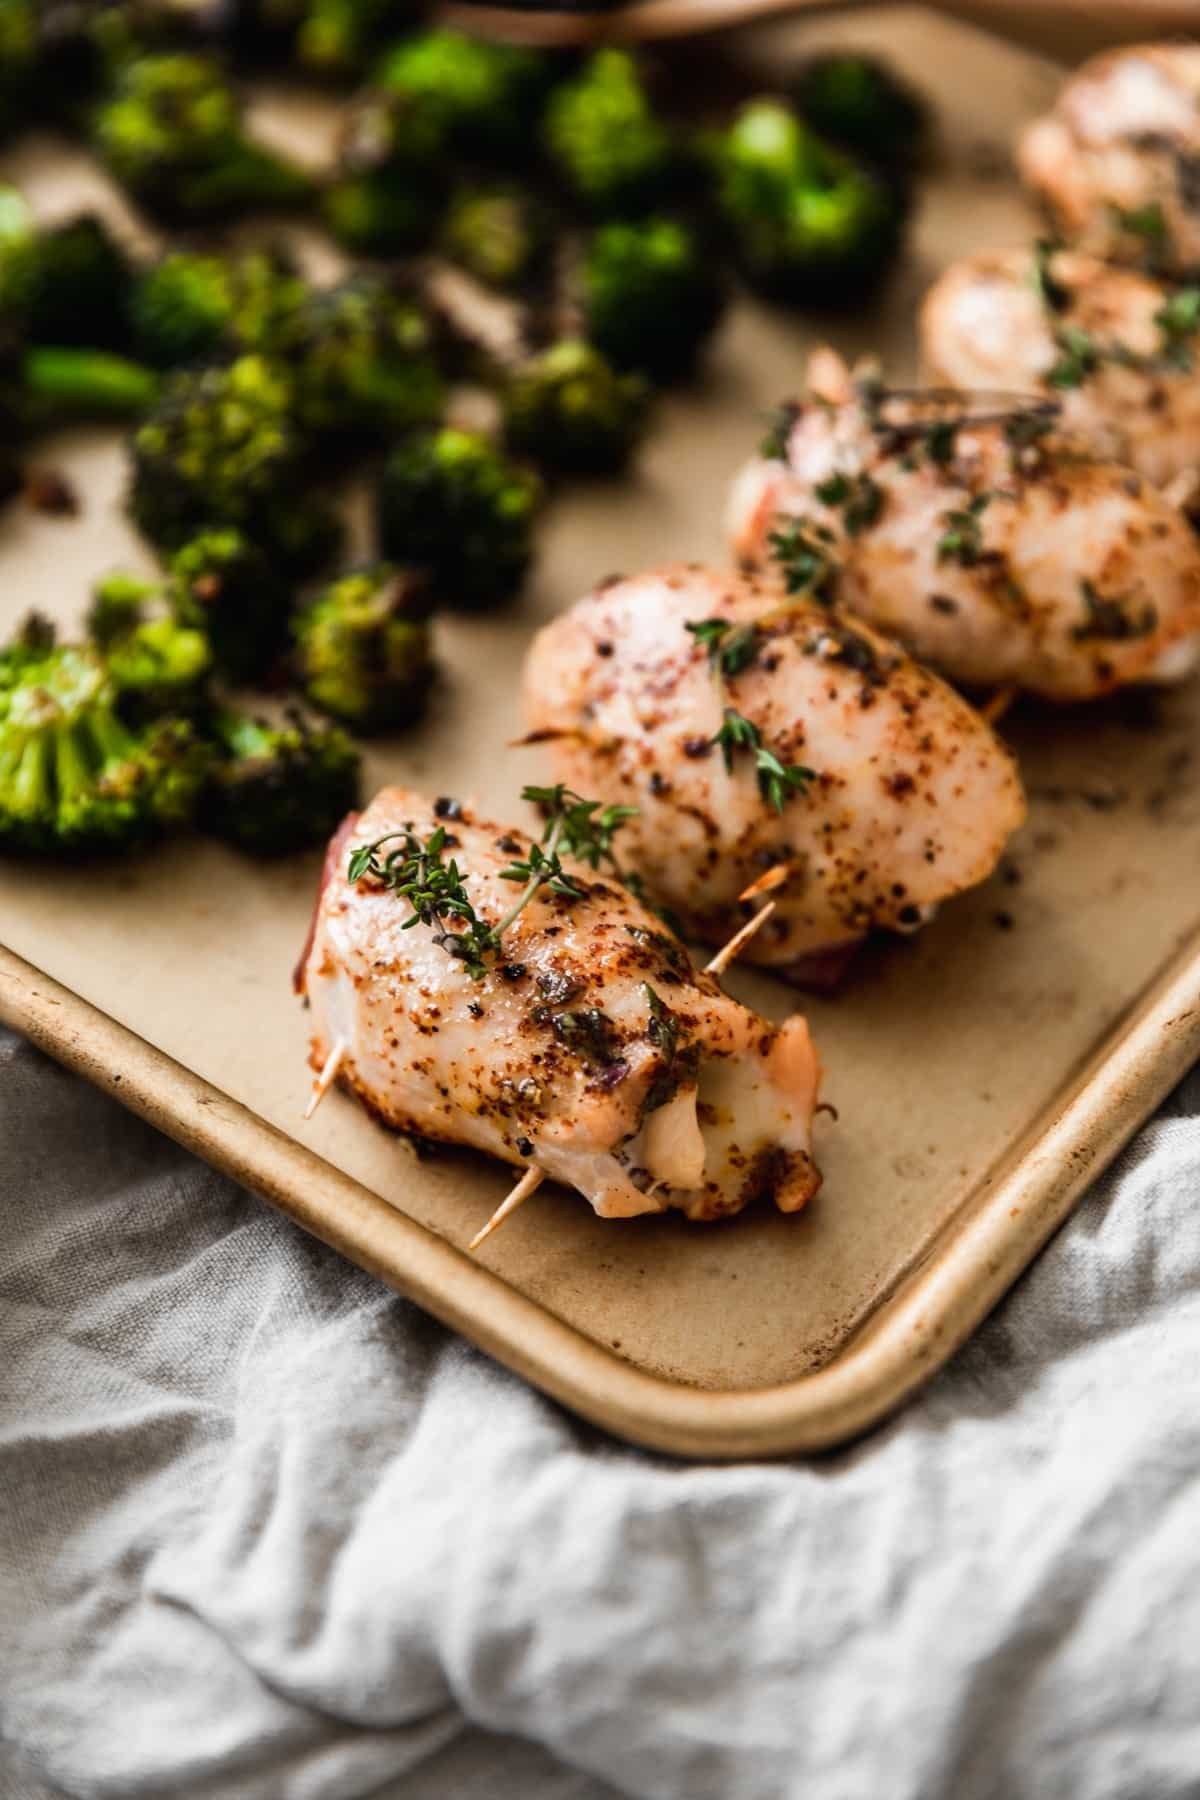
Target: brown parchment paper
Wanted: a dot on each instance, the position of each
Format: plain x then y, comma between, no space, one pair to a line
941,1053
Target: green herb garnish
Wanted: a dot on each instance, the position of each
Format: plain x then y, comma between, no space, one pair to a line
962,540
859,498
777,781
805,554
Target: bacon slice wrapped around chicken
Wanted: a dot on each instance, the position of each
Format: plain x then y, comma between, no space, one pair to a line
954,525
585,1046
860,783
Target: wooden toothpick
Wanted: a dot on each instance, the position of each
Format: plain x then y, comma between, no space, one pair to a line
737,942
993,710
326,1078
529,1183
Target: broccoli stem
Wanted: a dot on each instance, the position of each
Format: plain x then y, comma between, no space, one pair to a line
93,383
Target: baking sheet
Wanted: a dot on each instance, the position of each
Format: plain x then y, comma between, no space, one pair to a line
948,1056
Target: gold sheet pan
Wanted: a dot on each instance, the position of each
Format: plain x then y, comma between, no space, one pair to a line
983,1073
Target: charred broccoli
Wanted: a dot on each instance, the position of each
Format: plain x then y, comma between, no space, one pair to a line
273,789
74,777
190,306
157,666
806,223
119,605
499,234
361,362
363,651
484,95
651,295
387,193
610,148
451,503
335,38
859,102
570,410
223,585
61,284
221,448
172,134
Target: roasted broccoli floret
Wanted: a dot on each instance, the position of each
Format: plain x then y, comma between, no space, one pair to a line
610,148
363,649
487,96
157,666
61,284
273,789
570,410
190,306
860,102
172,134
226,587
451,503
74,777
499,234
651,294
361,362
222,448
387,194
336,38
806,223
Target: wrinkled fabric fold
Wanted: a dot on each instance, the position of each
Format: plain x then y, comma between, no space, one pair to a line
266,1530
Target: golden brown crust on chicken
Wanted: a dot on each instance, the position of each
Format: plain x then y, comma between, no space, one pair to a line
1009,319
1002,561
589,1048
1116,161
911,796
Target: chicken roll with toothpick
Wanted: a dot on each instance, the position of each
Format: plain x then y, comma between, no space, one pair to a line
763,734
476,986
955,523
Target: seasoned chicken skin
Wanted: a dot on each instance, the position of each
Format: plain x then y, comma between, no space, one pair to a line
1116,161
1001,562
589,1049
911,795
1130,393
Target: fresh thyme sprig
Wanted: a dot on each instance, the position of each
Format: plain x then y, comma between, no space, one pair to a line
731,648
435,890
1178,321
962,540
415,872
1054,294
859,498
777,781
805,554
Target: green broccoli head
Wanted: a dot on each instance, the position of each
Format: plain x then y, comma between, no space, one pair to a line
611,150
570,410
120,603
806,223
172,135
61,284
651,295
226,587
859,102
75,779
485,95
451,503
362,362
364,651
159,669
190,306
386,196
501,234
274,789
222,448
336,38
